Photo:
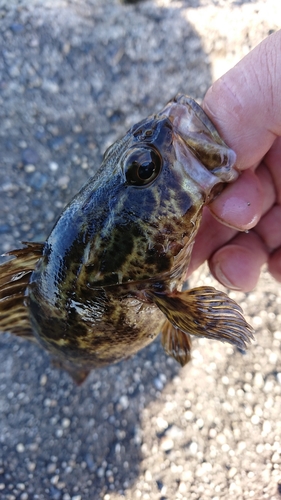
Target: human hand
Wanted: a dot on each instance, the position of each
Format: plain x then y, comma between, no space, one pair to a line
245,106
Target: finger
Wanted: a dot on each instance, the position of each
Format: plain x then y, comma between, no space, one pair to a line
238,265
269,228
240,204
211,235
273,162
268,186
274,265
245,103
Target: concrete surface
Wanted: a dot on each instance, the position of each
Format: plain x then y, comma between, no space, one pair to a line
74,75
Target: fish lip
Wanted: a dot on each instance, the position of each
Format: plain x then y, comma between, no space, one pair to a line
196,140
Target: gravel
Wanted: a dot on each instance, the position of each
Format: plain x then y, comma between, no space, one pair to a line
74,75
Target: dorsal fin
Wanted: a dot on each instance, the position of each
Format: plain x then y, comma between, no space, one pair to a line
14,278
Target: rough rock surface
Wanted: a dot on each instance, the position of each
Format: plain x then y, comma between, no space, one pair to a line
74,75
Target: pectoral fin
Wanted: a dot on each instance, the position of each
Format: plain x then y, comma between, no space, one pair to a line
14,278
176,343
205,312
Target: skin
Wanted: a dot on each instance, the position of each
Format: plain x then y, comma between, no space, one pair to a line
245,107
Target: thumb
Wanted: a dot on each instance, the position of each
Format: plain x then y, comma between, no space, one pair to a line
245,103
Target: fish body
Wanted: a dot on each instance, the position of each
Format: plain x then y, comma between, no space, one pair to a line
109,277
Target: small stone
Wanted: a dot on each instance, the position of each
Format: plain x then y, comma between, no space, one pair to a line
66,423
166,444
221,439
51,468
276,458
277,335
50,86
158,384
53,166
193,447
43,380
232,472
182,487
255,419
148,475
100,472
200,423
188,415
29,157
17,28
77,129
29,168
55,494
63,181
124,402
161,423
258,381
50,402
266,428
31,466
20,448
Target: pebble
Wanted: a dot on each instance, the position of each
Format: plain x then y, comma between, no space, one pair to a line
29,168
166,444
29,157
193,447
148,475
158,384
31,466
258,381
161,423
20,448
124,402
232,472
53,166
37,180
43,380
66,423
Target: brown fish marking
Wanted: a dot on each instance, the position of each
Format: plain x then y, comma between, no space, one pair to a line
109,277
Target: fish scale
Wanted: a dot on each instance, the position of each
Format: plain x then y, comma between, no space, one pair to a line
110,276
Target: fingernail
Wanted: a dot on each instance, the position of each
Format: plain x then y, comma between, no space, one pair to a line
221,276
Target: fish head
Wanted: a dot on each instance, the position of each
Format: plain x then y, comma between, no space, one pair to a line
136,219
151,187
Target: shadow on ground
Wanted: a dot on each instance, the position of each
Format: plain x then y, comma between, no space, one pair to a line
74,77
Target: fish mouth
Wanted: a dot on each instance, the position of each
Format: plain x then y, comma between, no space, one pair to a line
199,148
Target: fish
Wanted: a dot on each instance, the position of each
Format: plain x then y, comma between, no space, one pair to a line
111,275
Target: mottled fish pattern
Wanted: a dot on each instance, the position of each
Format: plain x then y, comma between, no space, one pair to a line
109,277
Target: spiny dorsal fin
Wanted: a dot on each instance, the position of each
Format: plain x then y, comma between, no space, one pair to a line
14,278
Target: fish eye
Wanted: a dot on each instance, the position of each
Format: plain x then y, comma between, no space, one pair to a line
142,166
